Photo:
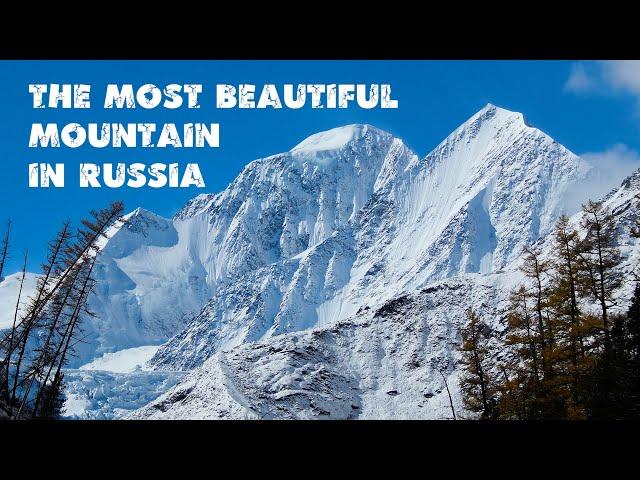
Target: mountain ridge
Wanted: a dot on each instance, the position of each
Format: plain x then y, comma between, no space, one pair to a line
382,250
382,363
314,234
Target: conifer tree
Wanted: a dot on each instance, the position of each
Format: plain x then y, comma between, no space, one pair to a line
479,394
536,270
600,259
633,316
523,337
613,389
633,349
75,283
52,400
611,384
511,388
5,372
522,332
567,319
31,321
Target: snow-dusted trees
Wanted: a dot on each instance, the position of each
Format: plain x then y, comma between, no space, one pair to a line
34,352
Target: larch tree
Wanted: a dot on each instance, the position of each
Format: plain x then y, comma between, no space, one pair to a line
74,285
476,382
537,270
600,259
567,318
523,338
5,372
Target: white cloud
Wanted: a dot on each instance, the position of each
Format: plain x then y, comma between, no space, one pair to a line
605,77
623,75
579,80
611,167
619,157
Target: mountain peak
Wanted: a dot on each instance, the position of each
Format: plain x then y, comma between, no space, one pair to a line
143,226
139,211
632,182
499,114
336,138
489,127
140,216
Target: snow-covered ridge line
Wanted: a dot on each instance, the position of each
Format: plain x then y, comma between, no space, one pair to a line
306,237
382,363
321,237
490,188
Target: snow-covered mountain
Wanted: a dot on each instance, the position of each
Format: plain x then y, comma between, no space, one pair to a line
330,278
491,187
382,363
347,218
156,274
9,287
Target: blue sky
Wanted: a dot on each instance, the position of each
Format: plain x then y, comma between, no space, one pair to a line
593,108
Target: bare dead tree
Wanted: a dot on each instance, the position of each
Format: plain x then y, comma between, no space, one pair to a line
37,347
44,290
66,300
446,384
4,248
6,372
65,346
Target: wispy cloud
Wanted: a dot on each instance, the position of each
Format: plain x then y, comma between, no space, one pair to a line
610,77
623,75
611,166
579,80
619,158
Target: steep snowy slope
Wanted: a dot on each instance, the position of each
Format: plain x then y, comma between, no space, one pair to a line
146,284
380,364
156,274
386,362
9,287
494,185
